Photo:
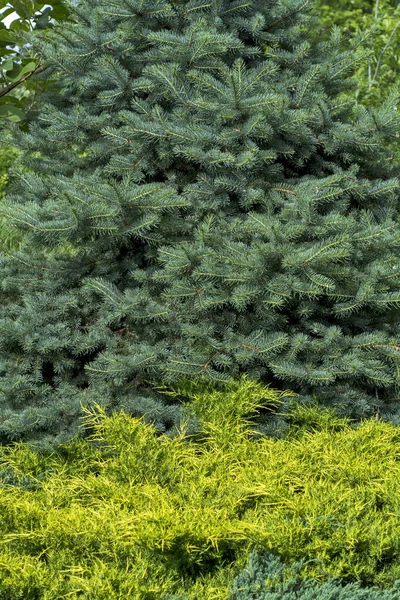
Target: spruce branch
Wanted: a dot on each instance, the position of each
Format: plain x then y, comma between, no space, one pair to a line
206,364
284,190
287,16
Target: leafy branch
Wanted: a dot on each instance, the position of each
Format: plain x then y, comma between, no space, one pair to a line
8,88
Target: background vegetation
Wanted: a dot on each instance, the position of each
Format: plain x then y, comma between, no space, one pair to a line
20,68
381,18
9,236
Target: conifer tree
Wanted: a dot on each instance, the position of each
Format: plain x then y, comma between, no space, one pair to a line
206,201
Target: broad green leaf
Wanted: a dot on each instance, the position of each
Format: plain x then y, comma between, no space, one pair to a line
4,51
10,99
24,8
27,68
19,71
12,113
18,25
7,36
13,75
42,21
8,65
59,13
6,12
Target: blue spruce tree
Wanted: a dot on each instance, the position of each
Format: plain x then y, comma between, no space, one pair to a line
205,200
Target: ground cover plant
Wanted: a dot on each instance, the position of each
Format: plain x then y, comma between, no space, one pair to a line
267,578
226,207
132,514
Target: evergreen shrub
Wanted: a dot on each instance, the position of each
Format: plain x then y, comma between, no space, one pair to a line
132,514
266,578
227,209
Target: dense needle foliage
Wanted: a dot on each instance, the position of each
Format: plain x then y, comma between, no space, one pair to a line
198,195
266,578
204,200
131,514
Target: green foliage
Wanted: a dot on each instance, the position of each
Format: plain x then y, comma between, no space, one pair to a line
380,20
7,158
17,60
128,514
266,578
226,210
9,236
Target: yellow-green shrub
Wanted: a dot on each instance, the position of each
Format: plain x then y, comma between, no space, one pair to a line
133,515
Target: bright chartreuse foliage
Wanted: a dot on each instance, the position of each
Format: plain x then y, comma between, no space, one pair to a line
227,209
266,578
132,515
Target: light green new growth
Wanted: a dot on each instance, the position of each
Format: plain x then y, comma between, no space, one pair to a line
132,515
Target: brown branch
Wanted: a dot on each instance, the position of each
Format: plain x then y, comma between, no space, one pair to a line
10,87
250,347
386,346
138,162
209,360
284,190
120,332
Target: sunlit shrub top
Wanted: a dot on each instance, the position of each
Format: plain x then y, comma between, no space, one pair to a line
128,514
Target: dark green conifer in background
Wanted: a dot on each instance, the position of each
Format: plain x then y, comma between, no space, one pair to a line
207,201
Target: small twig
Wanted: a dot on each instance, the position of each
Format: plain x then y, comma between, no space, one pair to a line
376,10
120,332
209,360
284,190
138,162
10,87
377,407
250,347
378,64
386,346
